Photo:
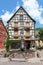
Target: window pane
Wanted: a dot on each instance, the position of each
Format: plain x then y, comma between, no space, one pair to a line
21,17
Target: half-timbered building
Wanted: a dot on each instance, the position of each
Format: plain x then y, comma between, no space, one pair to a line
21,28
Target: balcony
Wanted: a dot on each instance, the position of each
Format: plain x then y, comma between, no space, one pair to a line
17,37
15,29
27,28
27,36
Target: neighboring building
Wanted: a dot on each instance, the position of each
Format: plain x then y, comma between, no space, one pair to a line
21,27
38,41
3,34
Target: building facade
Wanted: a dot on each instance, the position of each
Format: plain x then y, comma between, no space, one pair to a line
3,34
21,27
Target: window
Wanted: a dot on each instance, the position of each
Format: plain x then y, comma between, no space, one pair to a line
21,20
32,33
21,32
21,17
21,23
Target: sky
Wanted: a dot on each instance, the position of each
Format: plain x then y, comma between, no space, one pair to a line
33,7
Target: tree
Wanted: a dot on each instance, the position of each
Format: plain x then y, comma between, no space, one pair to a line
40,34
7,43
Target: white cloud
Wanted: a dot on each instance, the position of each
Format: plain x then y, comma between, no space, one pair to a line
6,16
31,6
17,7
34,9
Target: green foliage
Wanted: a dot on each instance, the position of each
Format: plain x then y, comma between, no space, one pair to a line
14,41
7,43
40,34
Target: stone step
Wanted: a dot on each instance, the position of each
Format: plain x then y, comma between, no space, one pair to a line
22,55
20,60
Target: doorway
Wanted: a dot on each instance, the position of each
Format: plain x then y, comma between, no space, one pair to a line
27,44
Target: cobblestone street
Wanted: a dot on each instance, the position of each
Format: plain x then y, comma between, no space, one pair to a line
23,61
20,63
31,61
